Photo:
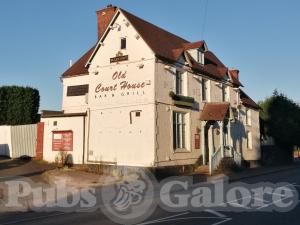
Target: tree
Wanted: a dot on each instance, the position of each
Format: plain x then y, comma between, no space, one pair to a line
19,105
280,119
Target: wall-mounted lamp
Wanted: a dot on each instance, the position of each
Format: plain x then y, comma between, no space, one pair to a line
137,36
140,66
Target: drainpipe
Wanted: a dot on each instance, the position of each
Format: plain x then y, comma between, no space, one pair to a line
84,139
221,124
210,141
203,142
229,137
88,134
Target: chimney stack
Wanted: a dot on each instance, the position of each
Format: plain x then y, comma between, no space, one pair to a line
104,16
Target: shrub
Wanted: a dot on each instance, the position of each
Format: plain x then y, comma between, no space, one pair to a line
19,105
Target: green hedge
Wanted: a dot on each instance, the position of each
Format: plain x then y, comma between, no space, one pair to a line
19,105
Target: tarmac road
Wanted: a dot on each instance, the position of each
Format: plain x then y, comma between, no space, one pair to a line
256,217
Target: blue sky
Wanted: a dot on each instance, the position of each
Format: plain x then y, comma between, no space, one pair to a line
260,38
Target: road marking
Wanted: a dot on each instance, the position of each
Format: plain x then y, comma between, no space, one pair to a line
187,218
235,200
271,203
175,217
224,221
168,217
215,212
32,219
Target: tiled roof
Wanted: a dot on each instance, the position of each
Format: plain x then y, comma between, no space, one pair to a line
159,40
211,58
217,72
78,67
164,44
247,101
235,77
214,111
198,44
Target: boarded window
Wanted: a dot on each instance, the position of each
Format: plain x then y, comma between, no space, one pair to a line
78,90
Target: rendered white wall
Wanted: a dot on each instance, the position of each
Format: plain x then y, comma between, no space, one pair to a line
64,123
5,141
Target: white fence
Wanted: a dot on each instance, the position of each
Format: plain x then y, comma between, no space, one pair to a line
16,141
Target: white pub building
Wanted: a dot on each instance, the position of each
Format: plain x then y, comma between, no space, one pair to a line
144,97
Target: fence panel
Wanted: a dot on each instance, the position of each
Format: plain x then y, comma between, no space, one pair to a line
23,140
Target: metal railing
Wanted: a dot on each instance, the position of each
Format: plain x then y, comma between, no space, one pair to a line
237,157
215,160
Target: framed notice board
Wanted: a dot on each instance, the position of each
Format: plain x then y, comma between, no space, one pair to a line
62,140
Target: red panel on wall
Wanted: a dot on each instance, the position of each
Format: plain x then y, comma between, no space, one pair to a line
62,140
40,141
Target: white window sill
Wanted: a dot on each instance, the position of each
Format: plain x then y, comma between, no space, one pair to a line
181,150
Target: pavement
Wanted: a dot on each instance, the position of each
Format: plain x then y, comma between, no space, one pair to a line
254,172
23,167
77,179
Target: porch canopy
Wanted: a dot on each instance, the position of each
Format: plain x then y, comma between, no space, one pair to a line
214,111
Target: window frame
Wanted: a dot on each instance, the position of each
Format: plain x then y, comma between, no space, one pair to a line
123,43
204,90
249,140
180,139
248,117
225,93
179,88
200,56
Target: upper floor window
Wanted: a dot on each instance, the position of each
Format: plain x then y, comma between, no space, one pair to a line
204,90
123,43
248,117
179,130
200,57
225,94
179,83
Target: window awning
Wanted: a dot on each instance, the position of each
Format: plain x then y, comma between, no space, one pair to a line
214,111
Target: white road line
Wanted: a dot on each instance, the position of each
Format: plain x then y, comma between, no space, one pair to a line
264,206
239,205
260,199
235,200
215,212
187,218
32,219
163,218
224,221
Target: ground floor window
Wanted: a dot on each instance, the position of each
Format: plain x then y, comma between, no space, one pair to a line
179,130
249,140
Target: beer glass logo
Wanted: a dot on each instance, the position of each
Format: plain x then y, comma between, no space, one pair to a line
131,200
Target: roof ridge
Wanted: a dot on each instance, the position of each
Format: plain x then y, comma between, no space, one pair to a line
145,21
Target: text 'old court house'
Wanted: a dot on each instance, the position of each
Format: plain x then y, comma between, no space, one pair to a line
145,97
